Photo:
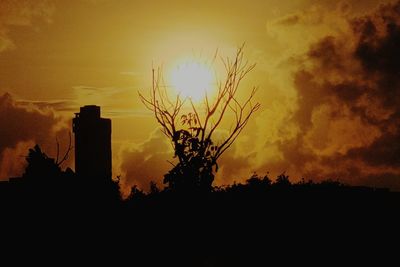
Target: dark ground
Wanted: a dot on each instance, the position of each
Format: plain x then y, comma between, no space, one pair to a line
254,224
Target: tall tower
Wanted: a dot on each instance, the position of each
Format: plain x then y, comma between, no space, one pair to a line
92,143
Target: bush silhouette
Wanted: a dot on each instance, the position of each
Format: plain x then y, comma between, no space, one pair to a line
40,166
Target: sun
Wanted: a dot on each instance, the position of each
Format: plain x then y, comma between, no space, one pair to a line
192,79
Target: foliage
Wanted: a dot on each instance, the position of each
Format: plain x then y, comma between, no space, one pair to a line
40,165
283,180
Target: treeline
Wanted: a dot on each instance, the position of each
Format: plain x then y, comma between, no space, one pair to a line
44,179
242,224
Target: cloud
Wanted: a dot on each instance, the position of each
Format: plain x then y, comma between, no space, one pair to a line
12,159
292,34
331,111
145,162
115,101
21,13
234,166
23,126
57,105
332,104
348,102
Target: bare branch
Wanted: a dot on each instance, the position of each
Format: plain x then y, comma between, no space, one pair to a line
58,149
171,163
196,113
66,155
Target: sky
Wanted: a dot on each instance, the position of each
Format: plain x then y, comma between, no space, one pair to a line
327,73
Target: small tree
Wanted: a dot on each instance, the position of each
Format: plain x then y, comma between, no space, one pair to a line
191,132
41,166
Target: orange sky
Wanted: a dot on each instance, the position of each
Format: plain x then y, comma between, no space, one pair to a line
58,55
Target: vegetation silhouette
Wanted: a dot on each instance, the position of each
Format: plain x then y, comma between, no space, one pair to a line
192,133
44,184
42,167
242,224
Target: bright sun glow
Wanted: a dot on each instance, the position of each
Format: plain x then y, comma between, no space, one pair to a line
192,79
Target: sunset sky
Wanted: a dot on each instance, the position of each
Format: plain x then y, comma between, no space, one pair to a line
327,71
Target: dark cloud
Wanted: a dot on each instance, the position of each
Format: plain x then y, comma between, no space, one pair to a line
19,124
384,151
23,126
351,79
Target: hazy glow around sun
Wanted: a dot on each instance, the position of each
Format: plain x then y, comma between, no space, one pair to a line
192,79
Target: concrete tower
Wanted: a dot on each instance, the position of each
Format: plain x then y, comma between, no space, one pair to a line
92,143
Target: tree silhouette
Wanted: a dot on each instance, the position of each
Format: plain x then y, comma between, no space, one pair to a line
191,133
40,166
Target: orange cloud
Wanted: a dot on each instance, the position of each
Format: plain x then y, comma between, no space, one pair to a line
144,162
349,103
23,126
336,115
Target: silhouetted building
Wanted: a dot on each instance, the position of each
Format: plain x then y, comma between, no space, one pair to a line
92,143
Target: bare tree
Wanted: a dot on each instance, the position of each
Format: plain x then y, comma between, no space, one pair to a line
191,132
